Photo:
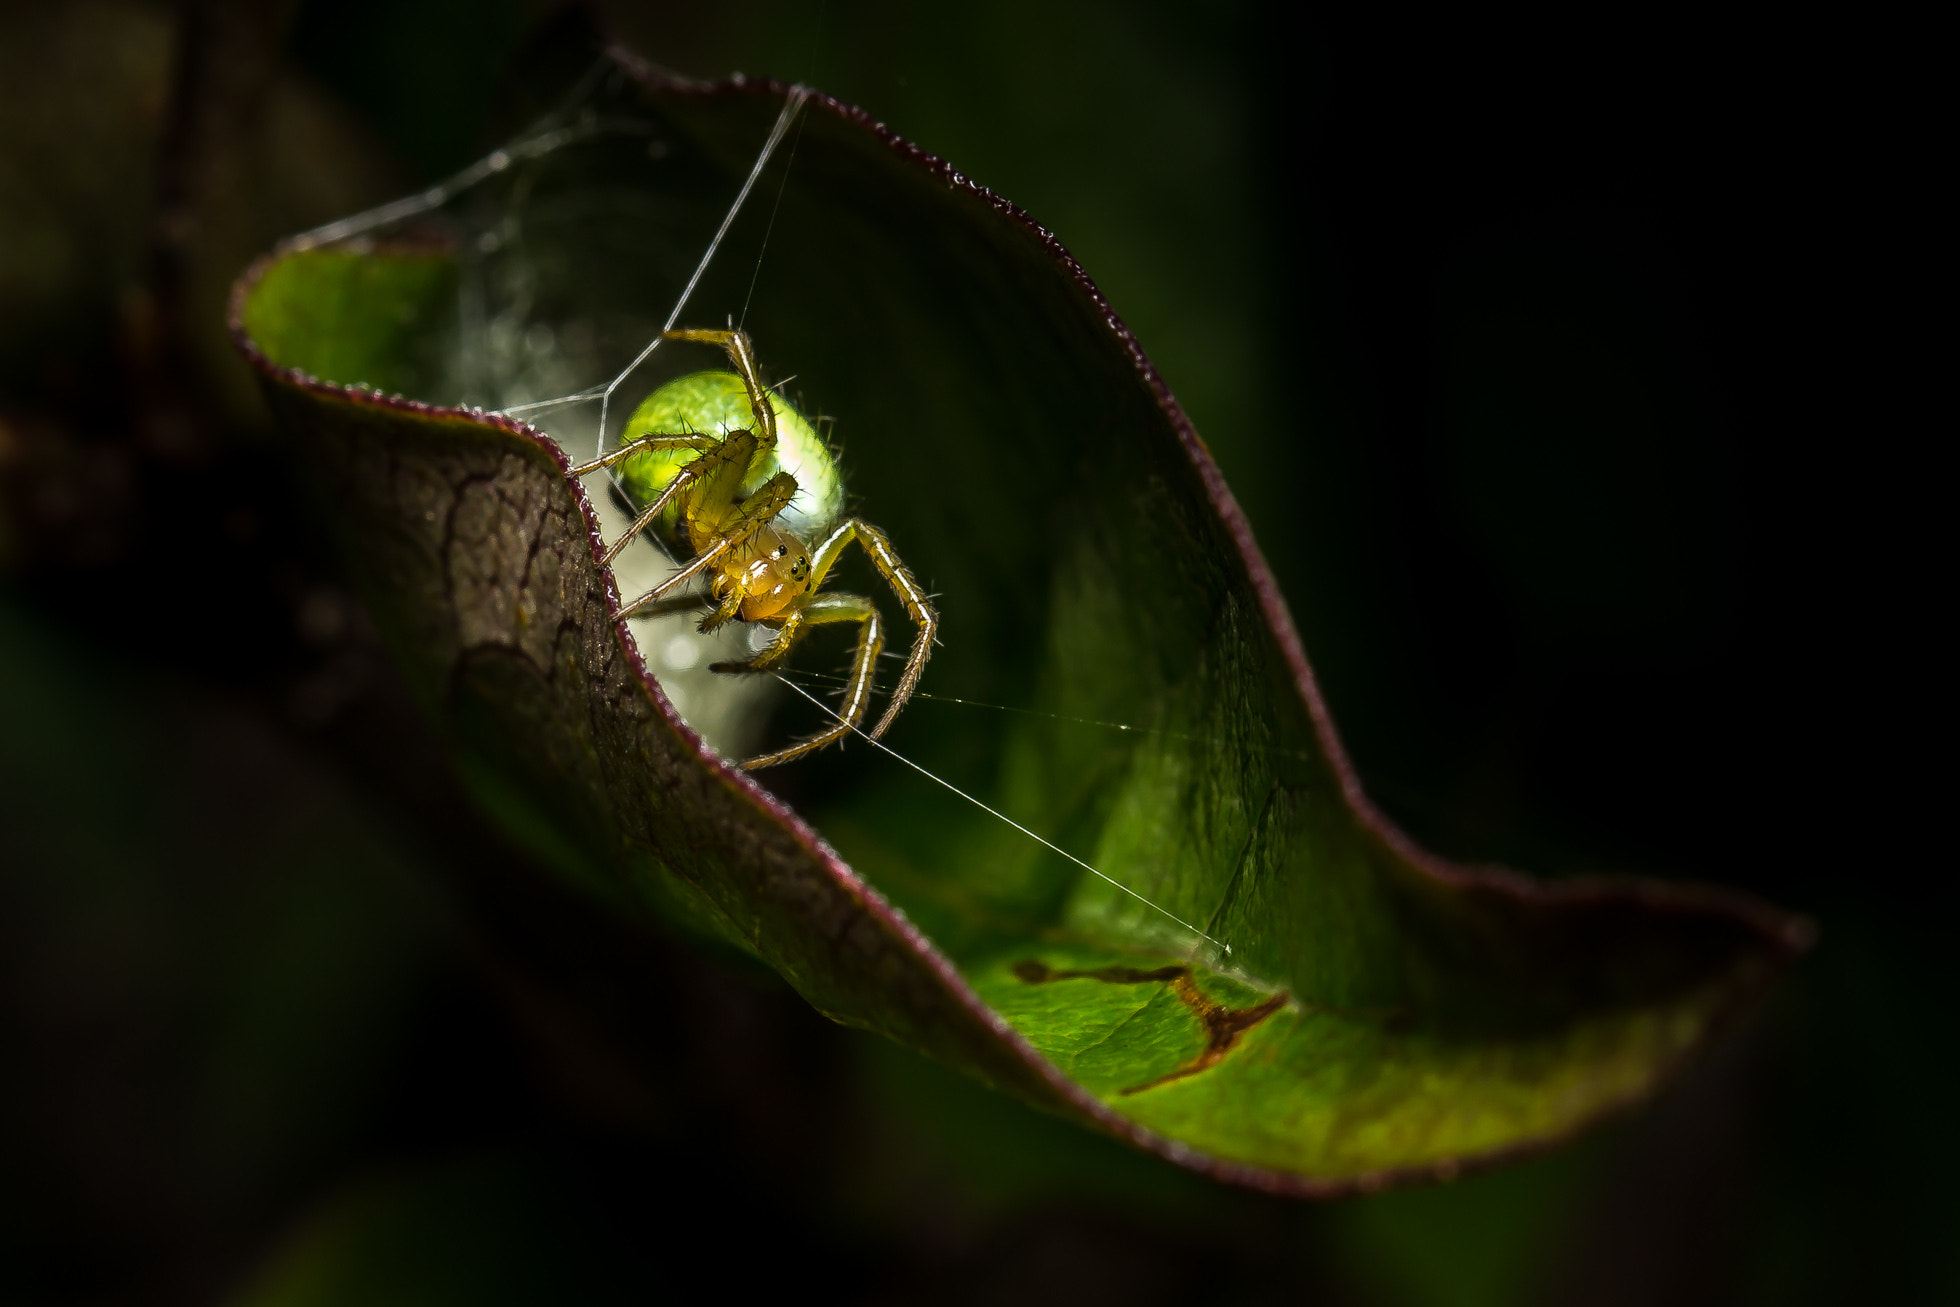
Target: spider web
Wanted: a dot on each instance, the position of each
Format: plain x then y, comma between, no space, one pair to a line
563,237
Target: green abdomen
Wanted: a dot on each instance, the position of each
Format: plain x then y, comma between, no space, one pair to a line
714,403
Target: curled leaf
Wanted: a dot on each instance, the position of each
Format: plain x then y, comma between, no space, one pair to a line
1379,1014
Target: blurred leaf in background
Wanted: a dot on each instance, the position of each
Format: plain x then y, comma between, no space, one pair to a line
1560,372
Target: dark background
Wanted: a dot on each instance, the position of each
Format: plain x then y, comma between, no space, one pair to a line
1573,374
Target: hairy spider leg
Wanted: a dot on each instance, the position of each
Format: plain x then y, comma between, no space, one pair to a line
643,444
673,604
820,608
815,611
910,593
713,499
715,523
742,354
680,482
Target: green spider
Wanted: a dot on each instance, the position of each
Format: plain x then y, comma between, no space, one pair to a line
743,503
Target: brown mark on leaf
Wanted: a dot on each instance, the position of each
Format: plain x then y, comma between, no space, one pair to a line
1223,1025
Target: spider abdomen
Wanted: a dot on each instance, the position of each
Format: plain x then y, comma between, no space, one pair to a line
714,404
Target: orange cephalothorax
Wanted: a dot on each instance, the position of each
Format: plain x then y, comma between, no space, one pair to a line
773,569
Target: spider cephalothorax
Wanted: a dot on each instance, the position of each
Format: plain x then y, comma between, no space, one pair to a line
758,511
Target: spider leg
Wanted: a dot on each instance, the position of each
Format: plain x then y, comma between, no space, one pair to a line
682,479
864,663
910,593
750,516
742,354
778,649
672,604
706,445
730,605
645,444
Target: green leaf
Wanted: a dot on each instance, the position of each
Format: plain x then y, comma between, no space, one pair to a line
1380,1015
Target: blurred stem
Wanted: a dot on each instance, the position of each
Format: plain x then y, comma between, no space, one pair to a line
227,59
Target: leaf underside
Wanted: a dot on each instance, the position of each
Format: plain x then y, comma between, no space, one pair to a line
1380,1016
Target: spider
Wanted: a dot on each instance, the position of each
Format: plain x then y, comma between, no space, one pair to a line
727,500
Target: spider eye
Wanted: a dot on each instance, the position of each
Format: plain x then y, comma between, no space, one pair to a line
781,550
